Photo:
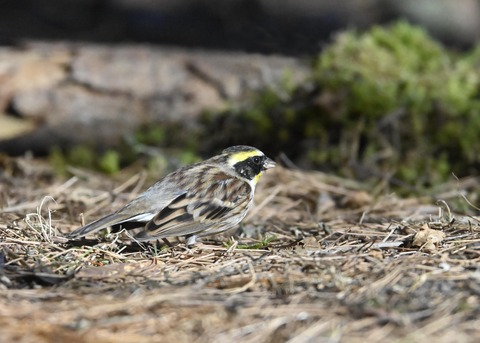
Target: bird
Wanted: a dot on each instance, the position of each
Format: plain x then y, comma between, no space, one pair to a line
202,199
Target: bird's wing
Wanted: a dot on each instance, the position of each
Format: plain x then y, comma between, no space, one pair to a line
194,212
141,209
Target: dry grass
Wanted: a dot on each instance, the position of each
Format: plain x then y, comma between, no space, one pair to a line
319,259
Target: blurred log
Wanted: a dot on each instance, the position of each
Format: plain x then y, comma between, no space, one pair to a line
79,93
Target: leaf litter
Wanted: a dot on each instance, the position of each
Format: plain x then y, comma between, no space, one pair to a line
319,259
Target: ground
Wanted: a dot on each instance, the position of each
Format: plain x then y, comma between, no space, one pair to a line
319,259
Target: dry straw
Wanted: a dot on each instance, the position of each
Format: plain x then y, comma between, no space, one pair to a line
320,259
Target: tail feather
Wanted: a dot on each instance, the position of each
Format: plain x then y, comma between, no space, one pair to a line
143,236
99,224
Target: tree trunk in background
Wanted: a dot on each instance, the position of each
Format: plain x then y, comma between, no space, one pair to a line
63,94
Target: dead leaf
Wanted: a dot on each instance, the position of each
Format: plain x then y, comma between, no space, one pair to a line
378,254
311,243
308,245
428,238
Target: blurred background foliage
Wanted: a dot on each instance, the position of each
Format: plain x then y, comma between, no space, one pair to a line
388,103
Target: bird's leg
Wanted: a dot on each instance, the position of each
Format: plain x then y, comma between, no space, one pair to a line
167,242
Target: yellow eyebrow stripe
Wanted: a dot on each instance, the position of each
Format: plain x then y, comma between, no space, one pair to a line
243,155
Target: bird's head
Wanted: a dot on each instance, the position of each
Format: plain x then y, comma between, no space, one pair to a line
248,162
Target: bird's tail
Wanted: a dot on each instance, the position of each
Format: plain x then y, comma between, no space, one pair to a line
143,236
99,224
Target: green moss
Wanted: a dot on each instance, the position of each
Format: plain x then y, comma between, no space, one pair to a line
58,161
259,119
189,157
157,165
160,148
400,69
109,163
151,135
386,68
82,156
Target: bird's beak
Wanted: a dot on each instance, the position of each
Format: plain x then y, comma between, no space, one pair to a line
268,163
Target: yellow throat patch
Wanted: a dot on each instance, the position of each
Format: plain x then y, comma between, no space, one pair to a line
257,177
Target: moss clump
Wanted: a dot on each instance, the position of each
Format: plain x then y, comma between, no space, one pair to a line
418,103
151,135
109,163
85,157
169,146
157,148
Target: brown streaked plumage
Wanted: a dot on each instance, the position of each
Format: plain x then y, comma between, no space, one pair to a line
198,200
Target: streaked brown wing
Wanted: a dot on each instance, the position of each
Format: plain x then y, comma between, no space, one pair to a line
194,212
139,210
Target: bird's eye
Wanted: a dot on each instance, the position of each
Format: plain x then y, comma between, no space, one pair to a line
257,160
